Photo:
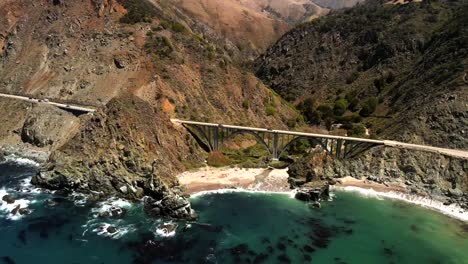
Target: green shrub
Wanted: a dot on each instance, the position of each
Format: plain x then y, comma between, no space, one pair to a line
353,102
138,11
270,110
299,147
307,107
246,104
369,107
340,107
162,46
357,130
178,27
326,111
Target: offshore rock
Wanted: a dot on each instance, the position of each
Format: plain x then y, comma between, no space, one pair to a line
304,175
172,205
8,199
313,194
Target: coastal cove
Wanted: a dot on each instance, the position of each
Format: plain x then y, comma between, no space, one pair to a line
347,229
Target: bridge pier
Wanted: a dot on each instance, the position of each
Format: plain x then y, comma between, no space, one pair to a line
339,144
275,146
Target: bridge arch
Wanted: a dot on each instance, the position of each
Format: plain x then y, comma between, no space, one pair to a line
256,135
316,141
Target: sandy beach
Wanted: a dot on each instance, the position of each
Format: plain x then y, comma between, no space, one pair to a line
210,179
269,179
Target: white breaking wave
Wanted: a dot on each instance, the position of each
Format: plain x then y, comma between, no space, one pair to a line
27,187
163,231
79,199
101,230
451,210
111,203
21,161
6,208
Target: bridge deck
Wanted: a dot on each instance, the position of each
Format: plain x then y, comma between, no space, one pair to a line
60,105
390,143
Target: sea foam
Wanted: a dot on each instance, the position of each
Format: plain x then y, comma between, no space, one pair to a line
452,210
6,208
21,161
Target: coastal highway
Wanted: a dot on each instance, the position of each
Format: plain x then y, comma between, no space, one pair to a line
389,143
45,101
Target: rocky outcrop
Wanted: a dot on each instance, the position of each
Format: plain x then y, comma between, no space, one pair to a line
47,125
439,177
311,186
128,150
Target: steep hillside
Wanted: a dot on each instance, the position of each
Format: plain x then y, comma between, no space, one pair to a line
139,63
397,69
251,25
91,51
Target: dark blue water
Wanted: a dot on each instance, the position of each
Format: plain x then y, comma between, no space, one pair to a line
232,228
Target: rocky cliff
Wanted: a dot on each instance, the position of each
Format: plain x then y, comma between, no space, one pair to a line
128,149
425,174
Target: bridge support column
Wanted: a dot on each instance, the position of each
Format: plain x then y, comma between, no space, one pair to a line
339,144
215,138
275,146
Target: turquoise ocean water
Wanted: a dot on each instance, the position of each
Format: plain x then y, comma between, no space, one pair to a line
232,228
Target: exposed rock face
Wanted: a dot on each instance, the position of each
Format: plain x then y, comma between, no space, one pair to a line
129,150
313,194
440,177
312,187
47,125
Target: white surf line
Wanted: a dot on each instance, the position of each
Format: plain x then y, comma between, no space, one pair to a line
450,210
21,161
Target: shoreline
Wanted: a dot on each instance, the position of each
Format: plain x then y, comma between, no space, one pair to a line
264,180
19,151
219,180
